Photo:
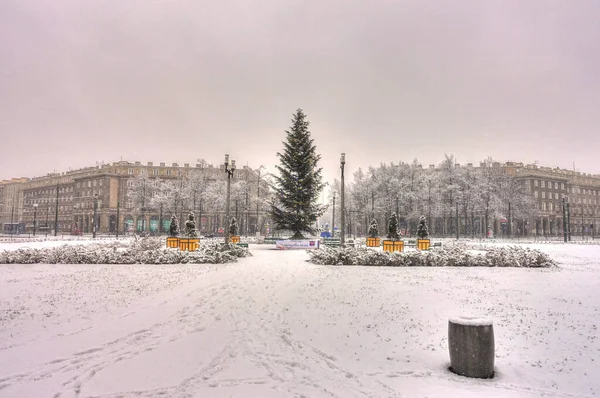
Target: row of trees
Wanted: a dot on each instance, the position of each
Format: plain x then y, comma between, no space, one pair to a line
192,192
454,199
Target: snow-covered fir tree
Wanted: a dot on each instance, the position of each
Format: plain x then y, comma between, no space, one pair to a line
422,231
190,226
174,226
233,227
373,229
393,227
299,184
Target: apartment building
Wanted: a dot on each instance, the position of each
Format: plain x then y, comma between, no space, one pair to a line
65,201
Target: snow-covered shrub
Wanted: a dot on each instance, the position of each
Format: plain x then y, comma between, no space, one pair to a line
512,256
140,251
373,229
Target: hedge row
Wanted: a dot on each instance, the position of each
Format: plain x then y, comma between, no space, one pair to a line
141,251
510,256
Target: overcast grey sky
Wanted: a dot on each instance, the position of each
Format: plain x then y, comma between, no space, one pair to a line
176,80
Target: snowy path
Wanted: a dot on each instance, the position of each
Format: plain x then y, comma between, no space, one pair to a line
273,325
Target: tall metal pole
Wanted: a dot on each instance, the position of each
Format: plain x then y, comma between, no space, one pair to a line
229,171
343,221
12,217
509,220
565,225
56,211
35,206
247,210
95,215
582,225
372,204
257,200
333,218
47,218
568,220
457,223
117,226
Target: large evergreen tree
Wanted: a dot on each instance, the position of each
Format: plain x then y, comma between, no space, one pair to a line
299,184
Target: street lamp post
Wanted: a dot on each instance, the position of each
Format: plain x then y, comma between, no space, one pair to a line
12,217
229,170
95,215
117,223
56,211
343,221
35,206
333,218
258,199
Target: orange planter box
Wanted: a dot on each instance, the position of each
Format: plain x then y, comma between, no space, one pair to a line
373,242
393,245
423,244
189,244
172,242
234,239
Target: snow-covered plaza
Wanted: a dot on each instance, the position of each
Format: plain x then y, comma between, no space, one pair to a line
274,325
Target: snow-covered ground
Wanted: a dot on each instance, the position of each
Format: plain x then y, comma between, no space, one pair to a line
273,325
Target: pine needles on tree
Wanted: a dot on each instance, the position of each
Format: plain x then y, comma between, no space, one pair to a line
299,183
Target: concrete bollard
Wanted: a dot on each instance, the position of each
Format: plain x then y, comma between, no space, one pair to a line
471,344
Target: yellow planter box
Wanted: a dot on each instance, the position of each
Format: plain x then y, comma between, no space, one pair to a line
373,242
393,245
234,239
423,244
172,242
189,244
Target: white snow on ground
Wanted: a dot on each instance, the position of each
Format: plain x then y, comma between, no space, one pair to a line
273,325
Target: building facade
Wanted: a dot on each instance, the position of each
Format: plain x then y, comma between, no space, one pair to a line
549,187
65,201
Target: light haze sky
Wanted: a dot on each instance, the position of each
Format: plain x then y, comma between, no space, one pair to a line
176,80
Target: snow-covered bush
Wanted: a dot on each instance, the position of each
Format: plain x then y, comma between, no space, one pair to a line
393,232
373,229
422,231
233,227
140,251
512,256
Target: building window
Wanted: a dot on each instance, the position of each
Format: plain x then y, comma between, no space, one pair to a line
543,195
535,193
155,172
544,206
168,172
562,185
556,195
130,171
535,183
94,183
101,182
556,185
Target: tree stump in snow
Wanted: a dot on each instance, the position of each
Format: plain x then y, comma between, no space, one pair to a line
471,344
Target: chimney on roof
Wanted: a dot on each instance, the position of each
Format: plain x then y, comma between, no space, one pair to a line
149,164
186,165
162,164
175,165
